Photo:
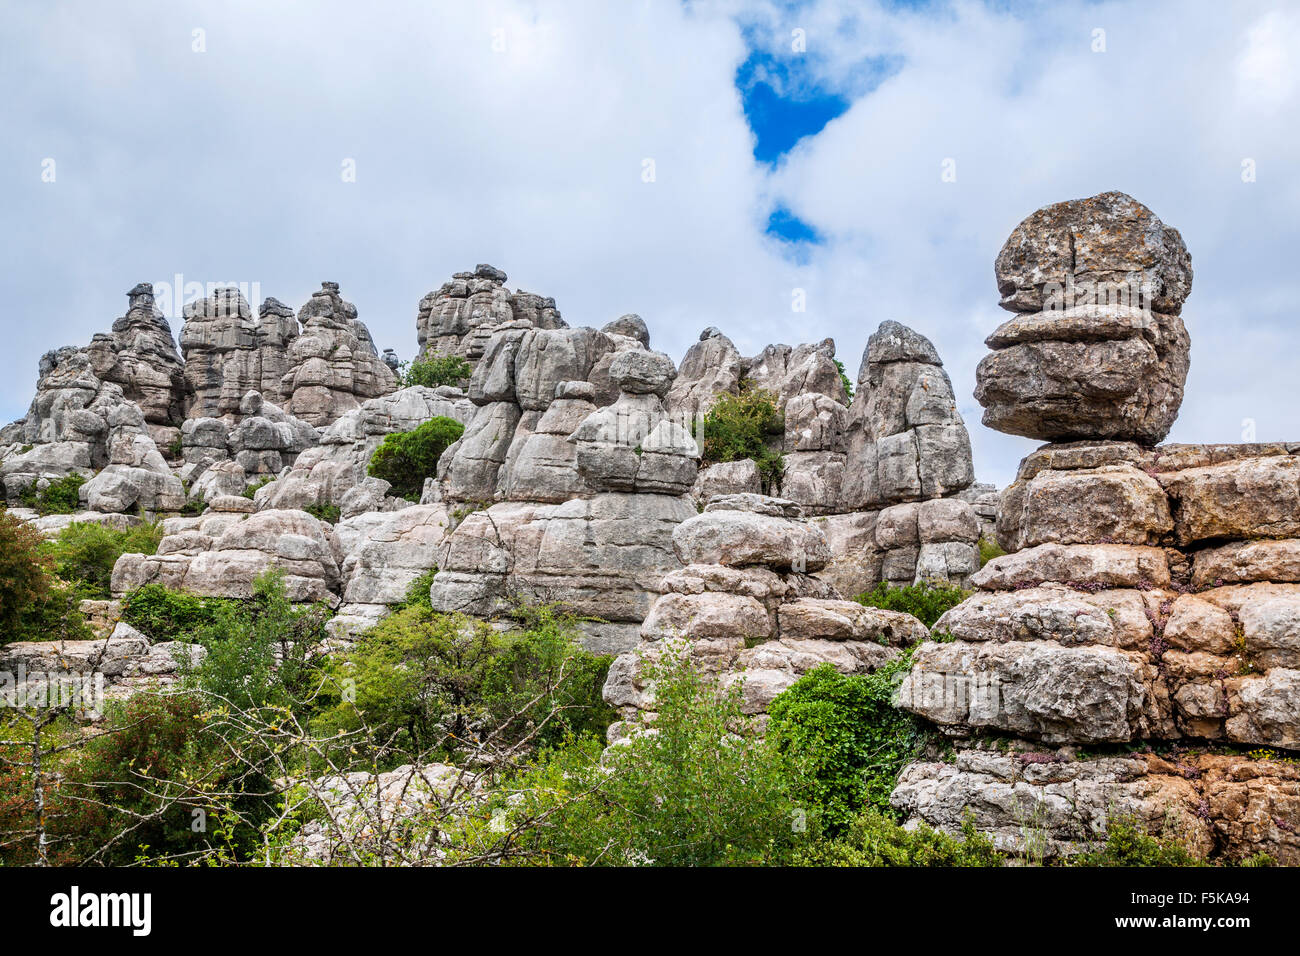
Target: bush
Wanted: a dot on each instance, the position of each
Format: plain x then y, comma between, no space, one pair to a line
263,652
24,572
251,489
989,549
844,379
161,614
84,553
848,739
406,459
60,497
702,790
1128,844
925,601
324,512
437,370
874,839
427,682
739,427
35,605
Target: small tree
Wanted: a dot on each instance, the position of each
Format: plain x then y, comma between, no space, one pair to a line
406,459
742,426
437,370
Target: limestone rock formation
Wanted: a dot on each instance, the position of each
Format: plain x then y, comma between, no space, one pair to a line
327,471
744,608
458,318
333,365
230,352
1148,594
221,553
1097,348
140,356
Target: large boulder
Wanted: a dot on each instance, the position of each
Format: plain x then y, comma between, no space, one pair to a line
1097,348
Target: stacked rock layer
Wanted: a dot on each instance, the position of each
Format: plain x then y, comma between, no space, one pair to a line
1141,638
746,608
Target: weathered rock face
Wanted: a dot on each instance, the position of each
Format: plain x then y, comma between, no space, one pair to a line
1097,348
1148,595
334,466
458,318
221,553
136,476
123,663
1062,803
744,609
230,352
140,356
333,365
711,367
81,419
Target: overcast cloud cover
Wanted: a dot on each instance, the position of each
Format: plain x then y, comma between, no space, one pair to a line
225,165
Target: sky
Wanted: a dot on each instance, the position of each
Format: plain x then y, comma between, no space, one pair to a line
701,164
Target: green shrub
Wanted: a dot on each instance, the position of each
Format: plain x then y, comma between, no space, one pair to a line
844,379
161,614
35,604
194,507
60,497
24,572
84,553
437,370
250,489
742,426
263,651
406,459
417,592
989,549
324,512
702,790
924,601
848,739
1128,844
873,838
428,682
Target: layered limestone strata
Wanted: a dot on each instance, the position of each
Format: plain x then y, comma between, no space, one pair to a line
229,352
333,365
1097,348
587,497
745,608
1149,597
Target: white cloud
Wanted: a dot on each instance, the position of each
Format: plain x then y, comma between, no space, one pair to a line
225,166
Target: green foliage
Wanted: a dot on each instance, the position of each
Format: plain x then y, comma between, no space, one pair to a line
250,489
873,838
161,614
989,549
24,572
263,651
176,448
1128,844
847,737
194,507
844,378
406,459
35,604
84,553
925,601
428,682
748,425
702,790
147,776
60,497
417,592
437,370
324,512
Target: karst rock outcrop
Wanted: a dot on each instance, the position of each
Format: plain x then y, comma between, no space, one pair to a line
745,607
1141,638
